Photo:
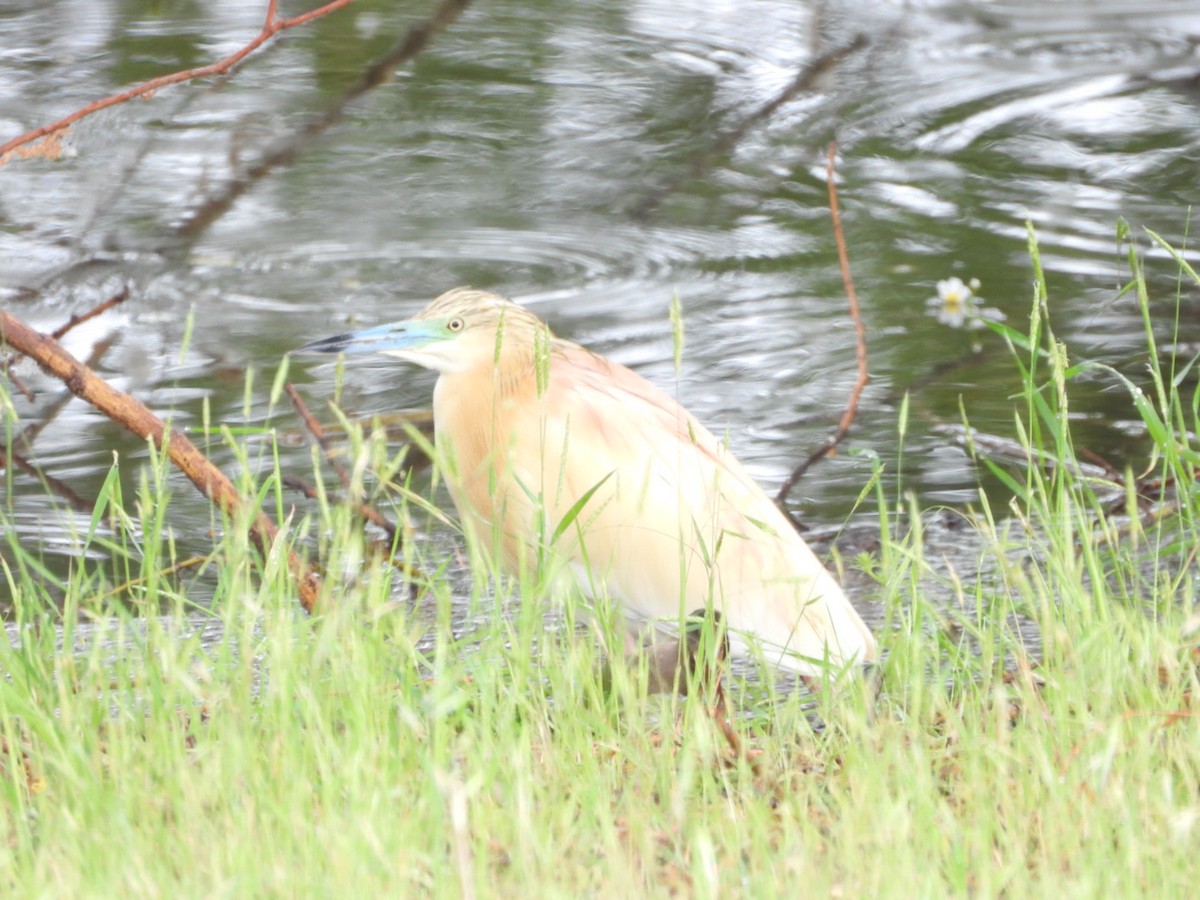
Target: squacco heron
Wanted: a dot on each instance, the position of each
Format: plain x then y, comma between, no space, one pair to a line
552,452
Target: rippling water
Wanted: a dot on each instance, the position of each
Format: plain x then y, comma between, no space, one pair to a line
520,152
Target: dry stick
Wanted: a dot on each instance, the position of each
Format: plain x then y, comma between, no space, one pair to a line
860,347
197,219
137,418
271,27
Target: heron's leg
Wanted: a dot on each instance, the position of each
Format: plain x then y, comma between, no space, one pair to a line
675,661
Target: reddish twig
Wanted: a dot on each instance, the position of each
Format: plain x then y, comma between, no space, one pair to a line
860,347
272,26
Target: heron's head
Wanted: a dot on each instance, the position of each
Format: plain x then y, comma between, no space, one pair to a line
460,330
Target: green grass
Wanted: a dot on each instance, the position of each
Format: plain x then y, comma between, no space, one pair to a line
371,750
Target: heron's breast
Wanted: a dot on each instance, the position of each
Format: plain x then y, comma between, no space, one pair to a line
482,438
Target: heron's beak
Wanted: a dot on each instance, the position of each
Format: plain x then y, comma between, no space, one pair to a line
407,335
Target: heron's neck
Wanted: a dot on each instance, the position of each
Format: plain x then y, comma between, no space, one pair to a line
485,390
511,375
473,413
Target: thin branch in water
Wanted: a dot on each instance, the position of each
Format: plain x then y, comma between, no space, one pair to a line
56,486
31,431
196,220
6,366
363,509
51,135
727,142
20,385
826,447
193,222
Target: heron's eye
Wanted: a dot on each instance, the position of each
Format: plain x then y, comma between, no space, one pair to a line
455,324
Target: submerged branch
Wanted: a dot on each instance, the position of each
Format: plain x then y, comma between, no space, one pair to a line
196,220
727,142
119,297
56,486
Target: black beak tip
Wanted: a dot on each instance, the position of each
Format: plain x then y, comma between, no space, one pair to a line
325,345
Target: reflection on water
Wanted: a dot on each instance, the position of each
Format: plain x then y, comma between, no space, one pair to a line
511,156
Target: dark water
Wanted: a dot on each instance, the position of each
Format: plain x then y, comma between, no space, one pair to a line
564,155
